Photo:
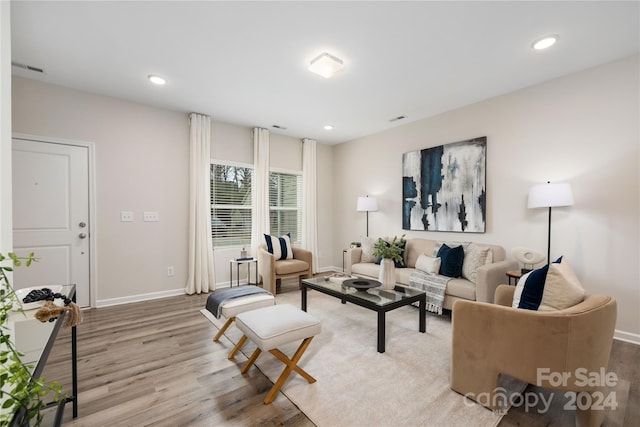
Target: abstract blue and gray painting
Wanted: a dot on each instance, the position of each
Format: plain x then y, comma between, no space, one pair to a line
444,187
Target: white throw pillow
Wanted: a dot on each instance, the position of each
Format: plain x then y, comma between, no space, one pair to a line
475,256
517,294
280,247
428,264
367,250
562,289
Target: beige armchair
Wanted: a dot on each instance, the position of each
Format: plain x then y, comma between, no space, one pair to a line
272,270
489,339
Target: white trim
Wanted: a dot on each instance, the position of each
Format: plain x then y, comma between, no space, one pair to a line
286,171
627,336
93,212
228,163
141,297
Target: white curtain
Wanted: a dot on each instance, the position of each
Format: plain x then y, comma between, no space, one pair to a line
260,187
201,278
309,207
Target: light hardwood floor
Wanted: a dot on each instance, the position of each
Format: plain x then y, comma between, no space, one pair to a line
154,363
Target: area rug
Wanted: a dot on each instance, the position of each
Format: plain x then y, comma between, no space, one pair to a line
357,386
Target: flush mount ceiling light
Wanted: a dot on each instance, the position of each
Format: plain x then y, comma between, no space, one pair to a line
327,127
156,80
326,65
545,42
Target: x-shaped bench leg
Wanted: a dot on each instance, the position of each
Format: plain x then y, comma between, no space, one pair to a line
224,328
237,347
291,365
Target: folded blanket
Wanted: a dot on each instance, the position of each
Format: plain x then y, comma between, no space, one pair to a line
216,298
433,285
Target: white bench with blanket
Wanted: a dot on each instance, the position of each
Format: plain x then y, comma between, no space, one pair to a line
230,302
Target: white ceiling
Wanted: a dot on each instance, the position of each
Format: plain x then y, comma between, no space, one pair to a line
246,62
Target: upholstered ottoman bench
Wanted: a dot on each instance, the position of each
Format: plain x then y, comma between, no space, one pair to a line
272,327
229,302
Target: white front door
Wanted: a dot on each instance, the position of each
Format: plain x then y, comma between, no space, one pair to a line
51,214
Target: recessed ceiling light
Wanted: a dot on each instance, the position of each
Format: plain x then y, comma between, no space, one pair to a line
327,127
156,80
545,42
326,65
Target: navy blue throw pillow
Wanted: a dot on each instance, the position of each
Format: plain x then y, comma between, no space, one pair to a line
533,289
451,260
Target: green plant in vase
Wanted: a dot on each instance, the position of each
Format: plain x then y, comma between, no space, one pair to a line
391,253
19,393
390,250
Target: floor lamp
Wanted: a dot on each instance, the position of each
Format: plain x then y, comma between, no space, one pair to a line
550,196
367,204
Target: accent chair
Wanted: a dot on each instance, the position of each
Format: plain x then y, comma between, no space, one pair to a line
490,339
272,270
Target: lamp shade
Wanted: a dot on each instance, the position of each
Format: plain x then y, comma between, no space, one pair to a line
550,195
367,204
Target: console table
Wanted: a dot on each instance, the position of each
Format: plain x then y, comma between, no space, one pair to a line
35,339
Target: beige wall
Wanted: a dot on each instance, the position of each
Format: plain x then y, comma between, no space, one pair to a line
142,161
141,165
6,233
582,128
235,144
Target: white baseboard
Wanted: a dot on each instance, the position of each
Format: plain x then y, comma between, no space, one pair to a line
627,336
153,295
138,298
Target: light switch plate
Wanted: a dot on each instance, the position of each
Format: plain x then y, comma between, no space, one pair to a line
150,217
126,216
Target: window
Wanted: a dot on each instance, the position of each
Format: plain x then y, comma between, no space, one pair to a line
285,204
231,204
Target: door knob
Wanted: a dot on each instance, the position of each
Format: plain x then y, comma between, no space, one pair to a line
82,235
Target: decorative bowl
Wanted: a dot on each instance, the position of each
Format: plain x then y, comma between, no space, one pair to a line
362,284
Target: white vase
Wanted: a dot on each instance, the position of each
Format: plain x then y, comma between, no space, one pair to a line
387,274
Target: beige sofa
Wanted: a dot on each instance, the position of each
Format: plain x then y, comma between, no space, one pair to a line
488,278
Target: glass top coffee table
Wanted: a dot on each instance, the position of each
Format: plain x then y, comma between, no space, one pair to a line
376,299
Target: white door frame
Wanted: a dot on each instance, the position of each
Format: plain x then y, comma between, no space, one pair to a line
93,265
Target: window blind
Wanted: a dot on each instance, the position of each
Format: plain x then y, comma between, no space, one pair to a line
285,204
231,205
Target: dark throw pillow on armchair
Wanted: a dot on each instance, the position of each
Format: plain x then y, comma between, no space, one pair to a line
452,260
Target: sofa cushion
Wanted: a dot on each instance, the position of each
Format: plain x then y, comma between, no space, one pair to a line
366,269
367,250
415,248
428,264
452,260
290,266
562,289
461,288
280,247
474,257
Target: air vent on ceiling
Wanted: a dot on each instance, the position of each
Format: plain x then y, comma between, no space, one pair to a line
27,67
279,127
395,119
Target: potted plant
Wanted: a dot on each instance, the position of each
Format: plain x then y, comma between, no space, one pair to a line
20,393
391,253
